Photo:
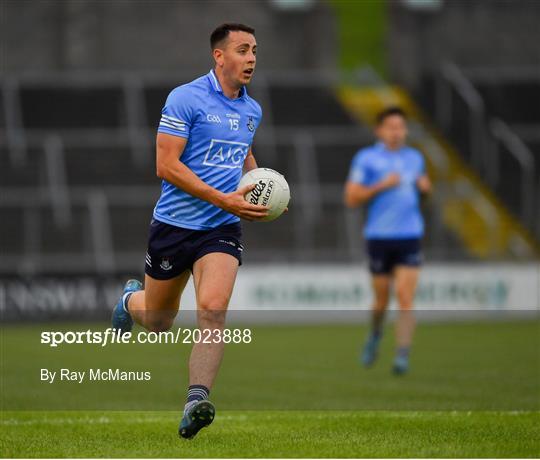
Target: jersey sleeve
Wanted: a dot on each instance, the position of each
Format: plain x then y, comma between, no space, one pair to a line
178,113
359,172
421,163
260,114
258,117
422,167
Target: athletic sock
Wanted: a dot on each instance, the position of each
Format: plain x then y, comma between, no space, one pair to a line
403,352
125,301
195,394
376,334
377,324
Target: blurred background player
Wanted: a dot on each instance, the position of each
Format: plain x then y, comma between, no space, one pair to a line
209,124
388,177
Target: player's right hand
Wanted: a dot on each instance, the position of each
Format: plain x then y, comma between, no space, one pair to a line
236,204
392,180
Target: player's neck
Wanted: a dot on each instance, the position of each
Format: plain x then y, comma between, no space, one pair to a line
232,92
393,147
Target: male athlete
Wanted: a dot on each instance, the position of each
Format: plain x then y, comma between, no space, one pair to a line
203,145
388,176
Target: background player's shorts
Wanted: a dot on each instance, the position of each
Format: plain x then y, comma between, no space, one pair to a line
172,250
384,255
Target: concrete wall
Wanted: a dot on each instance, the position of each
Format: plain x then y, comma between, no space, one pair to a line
157,35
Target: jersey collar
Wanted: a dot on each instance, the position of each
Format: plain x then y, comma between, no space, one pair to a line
382,148
214,82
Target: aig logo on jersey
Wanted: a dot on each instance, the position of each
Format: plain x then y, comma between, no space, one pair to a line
226,154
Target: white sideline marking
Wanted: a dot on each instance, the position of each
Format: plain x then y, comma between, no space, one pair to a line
106,420
101,420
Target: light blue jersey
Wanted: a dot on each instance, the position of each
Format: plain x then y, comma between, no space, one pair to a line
220,133
394,213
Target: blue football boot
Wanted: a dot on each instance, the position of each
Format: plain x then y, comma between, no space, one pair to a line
121,319
369,355
199,415
401,365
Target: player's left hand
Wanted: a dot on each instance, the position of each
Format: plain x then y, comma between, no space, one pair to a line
424,184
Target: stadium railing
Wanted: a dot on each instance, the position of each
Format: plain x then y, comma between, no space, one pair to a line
76,195
489,142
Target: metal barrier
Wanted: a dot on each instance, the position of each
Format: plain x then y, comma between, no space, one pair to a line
309,194
56,180
453,79
525,159
484,134
15,137
101,256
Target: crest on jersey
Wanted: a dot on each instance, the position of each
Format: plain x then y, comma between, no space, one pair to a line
251,124
165,264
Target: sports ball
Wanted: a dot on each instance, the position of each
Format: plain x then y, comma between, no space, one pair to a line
271,189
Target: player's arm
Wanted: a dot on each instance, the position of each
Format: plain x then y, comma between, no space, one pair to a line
358,194
424,184
169,149
250,162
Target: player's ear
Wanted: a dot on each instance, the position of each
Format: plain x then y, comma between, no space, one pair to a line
218,56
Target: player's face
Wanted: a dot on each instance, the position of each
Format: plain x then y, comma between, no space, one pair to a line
238,58
392,131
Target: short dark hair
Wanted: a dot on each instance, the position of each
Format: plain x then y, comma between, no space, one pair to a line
388,112
222,32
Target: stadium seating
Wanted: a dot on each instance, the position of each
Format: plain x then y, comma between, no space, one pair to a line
32,175
62,108
512,101
81,194
105,166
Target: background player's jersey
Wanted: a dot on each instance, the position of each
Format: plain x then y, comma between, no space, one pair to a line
220,133
394,213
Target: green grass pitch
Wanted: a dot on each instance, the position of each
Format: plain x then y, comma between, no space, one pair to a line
295,391
275,434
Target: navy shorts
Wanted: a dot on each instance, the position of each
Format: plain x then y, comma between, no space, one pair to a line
384,255
173,250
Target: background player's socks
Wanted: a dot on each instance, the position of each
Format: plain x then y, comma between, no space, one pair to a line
196,393
377,322
369,355
403,352
401,363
